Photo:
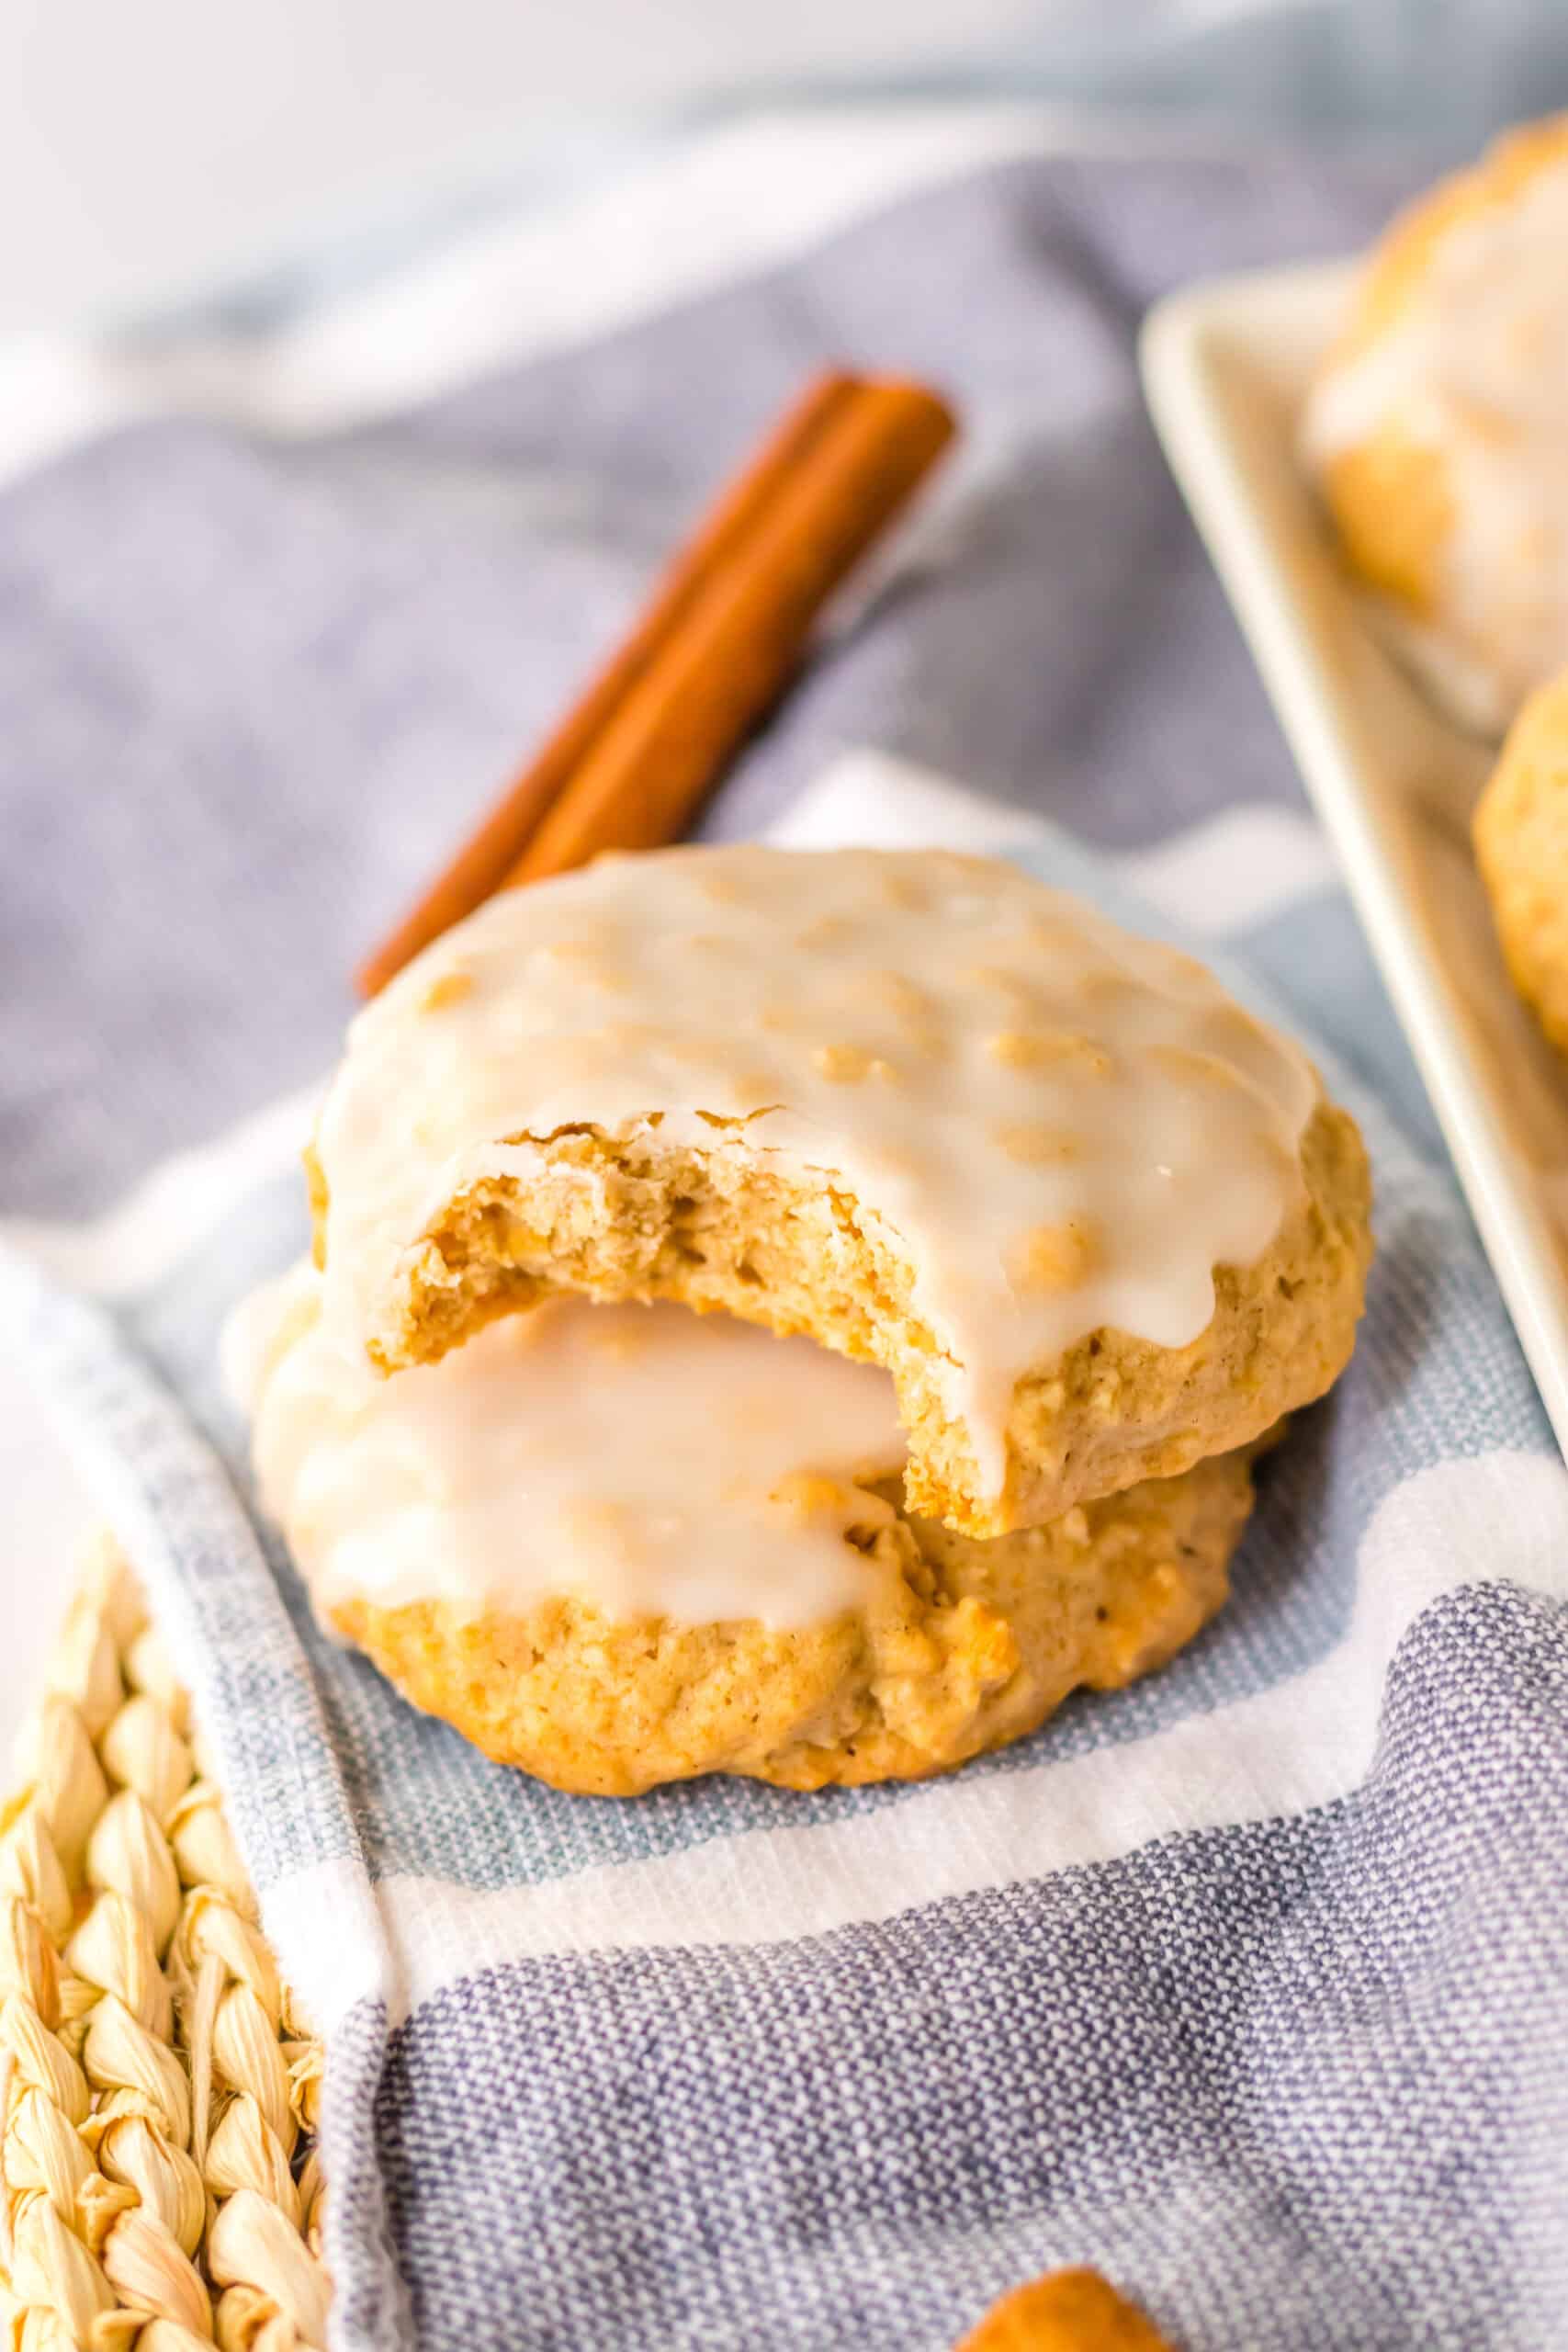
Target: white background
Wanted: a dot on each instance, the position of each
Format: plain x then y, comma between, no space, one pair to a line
146,147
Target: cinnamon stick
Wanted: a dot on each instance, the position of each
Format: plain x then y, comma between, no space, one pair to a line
725,626
660,753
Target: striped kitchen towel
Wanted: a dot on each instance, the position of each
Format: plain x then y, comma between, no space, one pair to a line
1246,1984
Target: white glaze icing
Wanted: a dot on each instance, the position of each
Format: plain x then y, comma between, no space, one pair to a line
655,1462
1067,1126
1475,367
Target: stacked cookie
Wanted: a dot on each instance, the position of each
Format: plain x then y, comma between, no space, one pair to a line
1011,1238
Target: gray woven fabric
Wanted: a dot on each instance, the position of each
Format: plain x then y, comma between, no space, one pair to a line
1299,2077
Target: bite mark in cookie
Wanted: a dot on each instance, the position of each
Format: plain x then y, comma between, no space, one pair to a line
858,1121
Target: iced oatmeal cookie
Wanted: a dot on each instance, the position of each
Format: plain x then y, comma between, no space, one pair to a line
1096,1220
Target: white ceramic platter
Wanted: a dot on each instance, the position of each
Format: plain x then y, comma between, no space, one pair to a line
1225,367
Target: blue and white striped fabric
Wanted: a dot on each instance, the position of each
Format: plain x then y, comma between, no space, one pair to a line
1244,1985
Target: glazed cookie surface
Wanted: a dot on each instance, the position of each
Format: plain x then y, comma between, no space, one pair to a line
1096,1220
1521,844
1434,429
619,1546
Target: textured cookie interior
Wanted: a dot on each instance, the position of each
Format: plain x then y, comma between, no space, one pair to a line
721,1229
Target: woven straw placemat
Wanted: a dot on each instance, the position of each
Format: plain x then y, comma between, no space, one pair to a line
158,2184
